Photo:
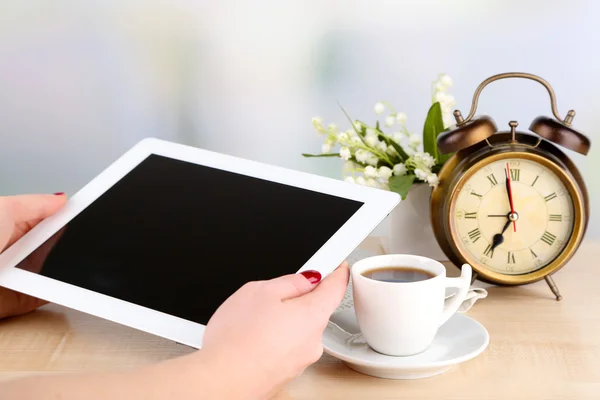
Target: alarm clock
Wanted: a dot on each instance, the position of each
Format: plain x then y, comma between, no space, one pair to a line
511,204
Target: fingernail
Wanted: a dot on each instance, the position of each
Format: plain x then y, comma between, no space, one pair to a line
59,193
312,276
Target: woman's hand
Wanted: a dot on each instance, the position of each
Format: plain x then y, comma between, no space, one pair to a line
268,332
18,215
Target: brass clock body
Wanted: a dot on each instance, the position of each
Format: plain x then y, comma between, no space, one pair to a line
470,205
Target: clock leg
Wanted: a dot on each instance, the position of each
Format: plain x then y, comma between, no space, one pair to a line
474,277
553,287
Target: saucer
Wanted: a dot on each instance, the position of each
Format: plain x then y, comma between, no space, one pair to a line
458,340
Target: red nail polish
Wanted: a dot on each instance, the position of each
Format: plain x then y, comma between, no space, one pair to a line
312,276
59,193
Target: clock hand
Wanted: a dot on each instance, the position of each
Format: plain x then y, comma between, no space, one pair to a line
498,238
509,192
499,215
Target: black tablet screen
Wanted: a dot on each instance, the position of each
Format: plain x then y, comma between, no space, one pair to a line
180,238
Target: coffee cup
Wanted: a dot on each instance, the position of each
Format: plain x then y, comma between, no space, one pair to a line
399,301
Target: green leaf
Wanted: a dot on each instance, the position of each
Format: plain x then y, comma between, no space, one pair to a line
396,146
321,155
377,126
434,125
401,184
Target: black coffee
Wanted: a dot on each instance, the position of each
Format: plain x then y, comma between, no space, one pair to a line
398,274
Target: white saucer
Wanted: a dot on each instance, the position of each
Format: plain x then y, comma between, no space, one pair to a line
458,340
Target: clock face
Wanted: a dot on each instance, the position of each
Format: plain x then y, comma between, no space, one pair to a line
489,233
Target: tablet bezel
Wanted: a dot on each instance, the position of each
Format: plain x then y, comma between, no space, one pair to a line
377,205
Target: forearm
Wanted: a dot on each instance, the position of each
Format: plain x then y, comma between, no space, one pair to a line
189,377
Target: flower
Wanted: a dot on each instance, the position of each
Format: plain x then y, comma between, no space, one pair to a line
372,182
371,132
361,181
401,118
381,146
385,173
332,128
372,159
448,120
350,179
358,126
379,108
399,169
414,140
317,121
326,148
372,140
390,120
343,137
398,137
424,159
371,172
345,153
422,174
445,80
433,180
391,151
330,141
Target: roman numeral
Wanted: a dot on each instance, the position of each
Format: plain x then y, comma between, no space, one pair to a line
511,258
492,179
533,255
550,196
475,234
471,215
555,218
548,238
535,180
489,251
515,174
475,194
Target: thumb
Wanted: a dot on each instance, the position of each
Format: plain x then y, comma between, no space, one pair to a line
329,293
291,286
33,207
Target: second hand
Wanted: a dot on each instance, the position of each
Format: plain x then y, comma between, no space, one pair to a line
510,198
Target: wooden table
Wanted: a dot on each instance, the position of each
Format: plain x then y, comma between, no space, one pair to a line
539,348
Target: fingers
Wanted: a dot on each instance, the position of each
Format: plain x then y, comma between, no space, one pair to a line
33,206
291,286
329,293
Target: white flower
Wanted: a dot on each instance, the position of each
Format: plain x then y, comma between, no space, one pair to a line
391,150
409,151
428,160
361,181
372,159
361,155
445,80
333,128
385,173
433,180
422,174
348,165
326,148
440,97
318,124
399,169
358,126
372,182
414,140
350,179
371,132
401,117
379,108
371,172
390,120
448,120
330,141
398,137
356,139
345,153
381,146
343,137
372,140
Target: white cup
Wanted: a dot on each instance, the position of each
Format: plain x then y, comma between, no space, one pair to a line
402,318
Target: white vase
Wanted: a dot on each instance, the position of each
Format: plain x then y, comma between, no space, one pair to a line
409,226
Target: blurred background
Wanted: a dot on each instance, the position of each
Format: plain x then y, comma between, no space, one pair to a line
83,81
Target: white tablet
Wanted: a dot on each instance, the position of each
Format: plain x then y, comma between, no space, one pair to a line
165,234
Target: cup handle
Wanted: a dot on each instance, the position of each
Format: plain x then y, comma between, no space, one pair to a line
462,283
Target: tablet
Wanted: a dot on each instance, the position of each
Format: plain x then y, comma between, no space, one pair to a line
164,235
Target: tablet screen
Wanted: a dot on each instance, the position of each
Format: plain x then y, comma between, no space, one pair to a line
180,238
